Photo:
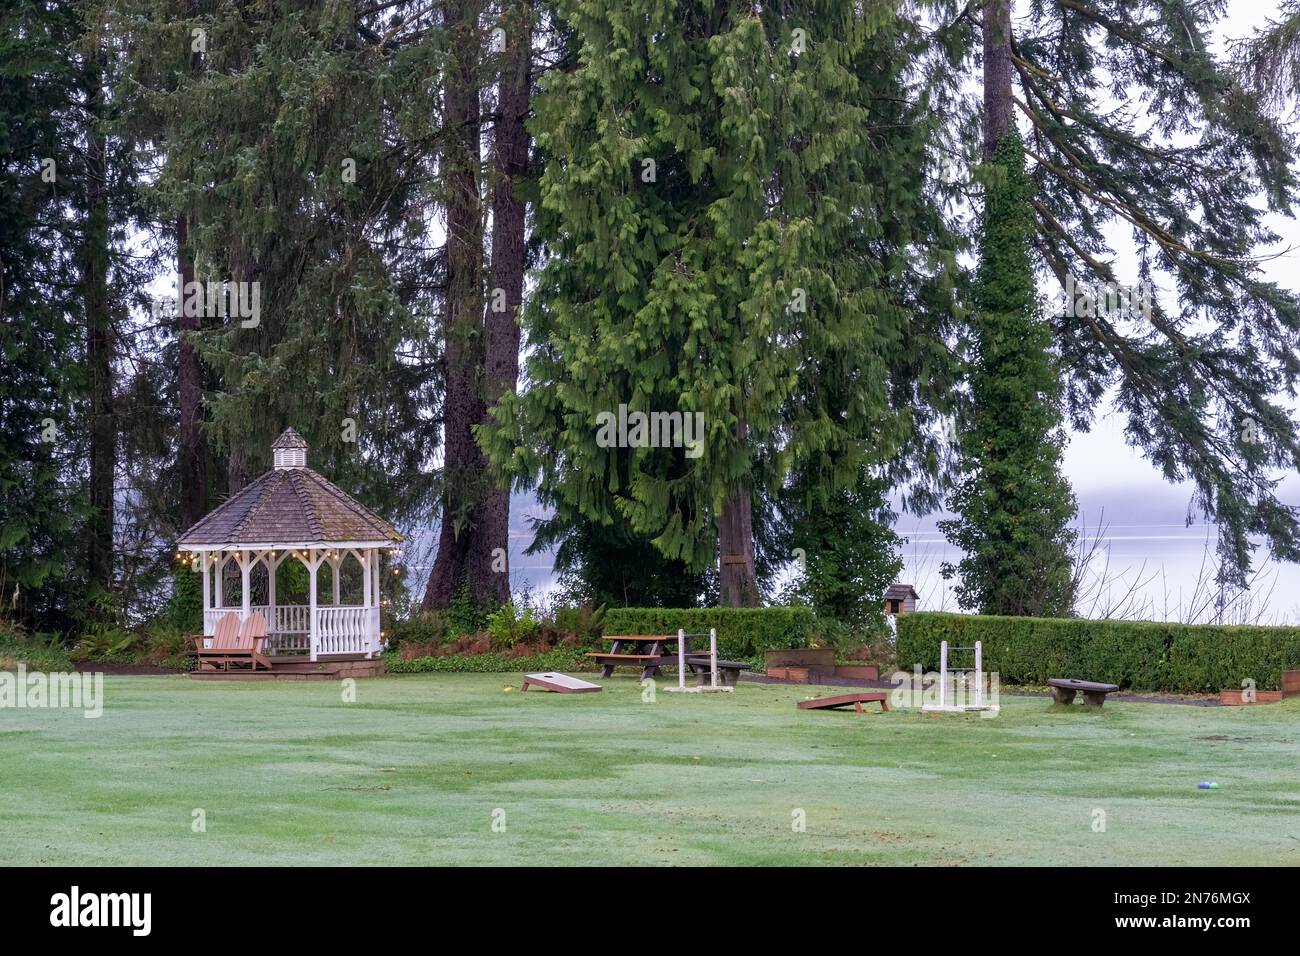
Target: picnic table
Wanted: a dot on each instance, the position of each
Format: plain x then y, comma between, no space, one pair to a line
649,651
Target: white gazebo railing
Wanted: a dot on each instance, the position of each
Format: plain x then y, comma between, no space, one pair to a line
344,629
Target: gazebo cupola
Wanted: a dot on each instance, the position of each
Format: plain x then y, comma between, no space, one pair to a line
289,450
293,514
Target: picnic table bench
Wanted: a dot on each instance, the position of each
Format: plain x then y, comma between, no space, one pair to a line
728,671
1094,694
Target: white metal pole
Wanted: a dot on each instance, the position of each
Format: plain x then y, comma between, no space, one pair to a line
713,657
681,659
979,673
943,674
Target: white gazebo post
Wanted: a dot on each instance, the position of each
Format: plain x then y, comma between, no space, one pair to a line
207,589
368,597
368,582
219,568
272,563
335,561
312,564
245,568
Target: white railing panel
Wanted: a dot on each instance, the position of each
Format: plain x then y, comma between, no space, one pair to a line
341,630
345,630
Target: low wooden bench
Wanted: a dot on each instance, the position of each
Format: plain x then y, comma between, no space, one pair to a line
845,700
728,671
1094,694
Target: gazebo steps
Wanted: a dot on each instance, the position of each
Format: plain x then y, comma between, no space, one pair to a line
301,670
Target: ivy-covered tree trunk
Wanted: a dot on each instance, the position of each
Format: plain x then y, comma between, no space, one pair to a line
101,416
1135,125
464,558
1013,505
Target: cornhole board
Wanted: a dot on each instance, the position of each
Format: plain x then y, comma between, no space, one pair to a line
559,683
844,700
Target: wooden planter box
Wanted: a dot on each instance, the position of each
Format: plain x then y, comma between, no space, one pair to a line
796,675
814,662
1232,698
858,671
1290,683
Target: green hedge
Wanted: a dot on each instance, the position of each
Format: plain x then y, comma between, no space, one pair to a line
560,659
1143,655
743,632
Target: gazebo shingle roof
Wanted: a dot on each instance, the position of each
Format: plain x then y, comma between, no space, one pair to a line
289,506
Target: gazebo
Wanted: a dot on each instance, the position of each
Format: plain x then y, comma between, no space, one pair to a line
293,514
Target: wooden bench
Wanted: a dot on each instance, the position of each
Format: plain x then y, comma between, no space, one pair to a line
235,643
1094,694
728,671
844,700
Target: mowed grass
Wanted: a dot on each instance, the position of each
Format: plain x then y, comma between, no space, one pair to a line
417,770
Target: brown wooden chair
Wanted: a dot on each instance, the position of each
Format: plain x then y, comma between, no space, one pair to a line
236,643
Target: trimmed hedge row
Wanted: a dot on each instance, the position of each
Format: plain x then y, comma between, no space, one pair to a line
1143,655
743,632
556,660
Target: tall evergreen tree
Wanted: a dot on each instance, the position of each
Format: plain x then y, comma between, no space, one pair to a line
297,149
1014,507
1133,122
734,211
41,507
93,265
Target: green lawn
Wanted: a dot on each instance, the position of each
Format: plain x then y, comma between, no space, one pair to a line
412,773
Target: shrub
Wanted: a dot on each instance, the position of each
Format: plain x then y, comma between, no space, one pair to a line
509,626
423,627
1143,655
744,632
164,642
106,642
37,652
582,622
185,607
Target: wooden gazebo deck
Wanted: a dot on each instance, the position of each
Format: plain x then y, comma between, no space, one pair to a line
296,668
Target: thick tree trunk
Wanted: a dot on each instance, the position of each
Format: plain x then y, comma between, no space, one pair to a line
501,320
99,345
189,386
236,470
464,555
998,105
738,582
